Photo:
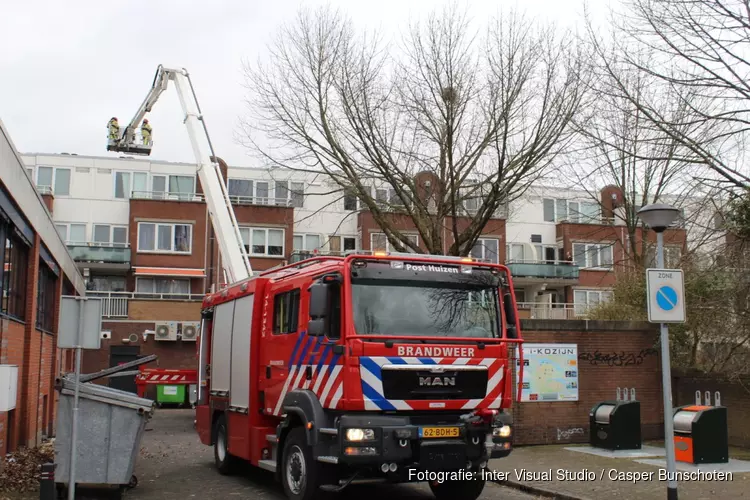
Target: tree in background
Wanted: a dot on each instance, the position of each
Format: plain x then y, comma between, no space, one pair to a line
483,113
716,336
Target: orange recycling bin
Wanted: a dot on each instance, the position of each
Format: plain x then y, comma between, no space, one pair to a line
701,434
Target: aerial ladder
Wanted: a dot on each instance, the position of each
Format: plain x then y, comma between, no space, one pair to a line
236,262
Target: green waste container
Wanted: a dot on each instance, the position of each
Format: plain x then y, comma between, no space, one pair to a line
170,394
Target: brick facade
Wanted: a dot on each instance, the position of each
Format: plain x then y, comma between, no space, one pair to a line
366,224
568,422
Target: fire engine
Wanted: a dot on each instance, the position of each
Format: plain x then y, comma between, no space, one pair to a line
368,367
335,370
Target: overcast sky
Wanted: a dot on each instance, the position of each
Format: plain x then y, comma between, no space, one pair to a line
67,67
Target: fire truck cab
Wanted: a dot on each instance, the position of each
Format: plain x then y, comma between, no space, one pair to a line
364,368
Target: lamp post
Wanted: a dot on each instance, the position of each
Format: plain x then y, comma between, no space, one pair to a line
659,217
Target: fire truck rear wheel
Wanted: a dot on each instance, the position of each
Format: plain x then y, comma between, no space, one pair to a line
300,474
225,462
467,489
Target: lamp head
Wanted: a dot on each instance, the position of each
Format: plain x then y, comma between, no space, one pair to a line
658,216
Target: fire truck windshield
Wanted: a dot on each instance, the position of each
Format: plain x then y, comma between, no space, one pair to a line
422,308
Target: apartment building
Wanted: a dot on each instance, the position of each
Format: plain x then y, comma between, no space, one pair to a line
35,270
140,234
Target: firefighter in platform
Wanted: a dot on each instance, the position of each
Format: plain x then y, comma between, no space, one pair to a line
146,132
114,129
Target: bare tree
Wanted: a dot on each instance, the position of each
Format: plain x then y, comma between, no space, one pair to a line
621,147
701,51
443,130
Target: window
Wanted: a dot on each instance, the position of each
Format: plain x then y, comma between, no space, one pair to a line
122,185
583,300
261,192
672,256
379,242
108,234
164,238
381,196
486,248
515,252
298,194
107,283
520,296
286,312
13,271
56,179
158,185
242,188
281,193
306,242
162,286
46,288
593,255
73,234
182,185
350,244
263,242
546,253
556,210
350,201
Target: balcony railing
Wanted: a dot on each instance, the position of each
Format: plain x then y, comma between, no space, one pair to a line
115,304
537,310
261,200
165,196
111,253
559,269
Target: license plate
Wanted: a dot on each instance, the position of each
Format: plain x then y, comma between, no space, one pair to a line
439,432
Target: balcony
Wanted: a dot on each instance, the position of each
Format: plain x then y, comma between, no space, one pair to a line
98,255
263,200
546,269
115,304
539,310
166,196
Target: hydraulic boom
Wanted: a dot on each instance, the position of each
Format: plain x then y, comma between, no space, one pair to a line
235,259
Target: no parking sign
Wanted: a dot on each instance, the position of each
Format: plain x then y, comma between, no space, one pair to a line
666,295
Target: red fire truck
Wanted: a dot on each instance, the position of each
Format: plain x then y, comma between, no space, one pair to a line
364,368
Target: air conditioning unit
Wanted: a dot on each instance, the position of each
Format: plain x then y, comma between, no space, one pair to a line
190,330
106,335
166,331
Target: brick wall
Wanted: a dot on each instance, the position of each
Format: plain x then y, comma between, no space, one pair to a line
171,354
164,310
735,395
568,422
11,353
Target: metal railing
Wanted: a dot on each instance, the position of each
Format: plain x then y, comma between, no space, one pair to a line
115,304
261,200
165,196
541,310
45,190
562,269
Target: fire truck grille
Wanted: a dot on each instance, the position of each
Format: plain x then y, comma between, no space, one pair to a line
427,384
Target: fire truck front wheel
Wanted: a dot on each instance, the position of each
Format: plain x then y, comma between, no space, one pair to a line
225,462
300,474
466,489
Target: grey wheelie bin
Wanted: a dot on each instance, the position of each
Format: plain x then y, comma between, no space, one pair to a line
110,426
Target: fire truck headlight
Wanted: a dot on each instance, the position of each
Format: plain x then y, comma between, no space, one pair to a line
360,434
502,432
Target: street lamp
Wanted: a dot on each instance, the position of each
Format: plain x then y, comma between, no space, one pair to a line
659,217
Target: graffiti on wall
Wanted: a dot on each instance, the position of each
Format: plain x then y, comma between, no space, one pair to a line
621,358
568,433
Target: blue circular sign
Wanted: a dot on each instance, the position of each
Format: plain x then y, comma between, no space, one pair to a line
666,298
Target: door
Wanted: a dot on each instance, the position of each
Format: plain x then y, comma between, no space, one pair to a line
285,348
119,355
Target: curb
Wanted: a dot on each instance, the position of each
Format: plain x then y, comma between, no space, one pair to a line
536,490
